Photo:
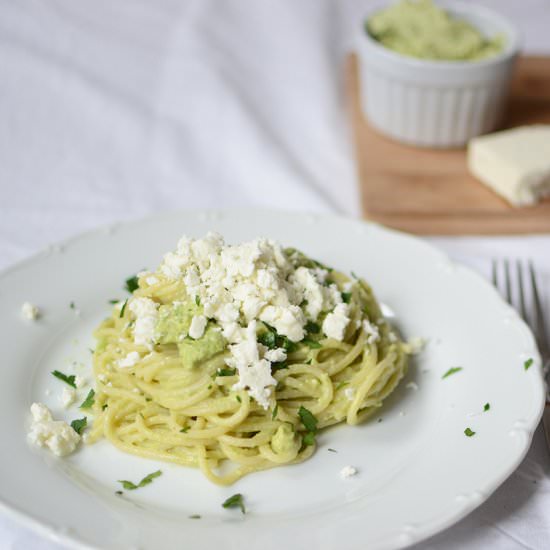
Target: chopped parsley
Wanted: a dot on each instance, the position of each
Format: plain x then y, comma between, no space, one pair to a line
528,363
271,340
346,297
71,305
275,411
119,493
468,432
354,275
268,339
451,371
226,372
129,486
184,430
486,407
332,450
310,424
195,516
104,406
312,327
197,300
68,379
131,284
238,398
89,401
340,385
79,424
114,301
235,501
313,344
123,308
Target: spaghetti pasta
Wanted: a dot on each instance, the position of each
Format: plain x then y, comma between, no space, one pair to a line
172,384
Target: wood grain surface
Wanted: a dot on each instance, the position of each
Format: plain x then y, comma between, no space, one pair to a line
429,191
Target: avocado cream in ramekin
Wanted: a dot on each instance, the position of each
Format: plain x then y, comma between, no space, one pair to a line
419,28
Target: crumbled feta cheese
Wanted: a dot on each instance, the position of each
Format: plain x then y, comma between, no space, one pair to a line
392,337
288,321
198,324
146,314
412,386
275,355
372,331
68,396
30,311
349,393
348,471
416,344
239,285
151,280
129,361
80,381
103,378
254,373
335,323
56,435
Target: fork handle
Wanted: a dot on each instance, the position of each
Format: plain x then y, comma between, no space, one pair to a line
546,424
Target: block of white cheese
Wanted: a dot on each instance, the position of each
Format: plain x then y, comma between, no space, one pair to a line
515,163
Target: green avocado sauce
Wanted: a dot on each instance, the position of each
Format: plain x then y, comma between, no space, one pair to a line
423,30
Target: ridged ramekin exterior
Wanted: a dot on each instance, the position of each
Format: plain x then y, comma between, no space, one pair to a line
436,103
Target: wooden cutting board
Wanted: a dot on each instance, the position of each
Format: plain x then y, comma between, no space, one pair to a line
429,191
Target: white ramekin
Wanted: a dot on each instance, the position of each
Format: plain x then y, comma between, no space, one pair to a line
437,103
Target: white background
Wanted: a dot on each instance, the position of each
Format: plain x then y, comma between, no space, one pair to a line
111,110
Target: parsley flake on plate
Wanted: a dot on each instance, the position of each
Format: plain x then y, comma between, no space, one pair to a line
129,486
469,433
528,363
68,379
235,501
452,370
486,407
275,411
89,401
79,425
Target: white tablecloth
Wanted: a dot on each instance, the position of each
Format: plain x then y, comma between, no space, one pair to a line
110,110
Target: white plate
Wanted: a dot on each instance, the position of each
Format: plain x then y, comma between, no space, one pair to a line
418,472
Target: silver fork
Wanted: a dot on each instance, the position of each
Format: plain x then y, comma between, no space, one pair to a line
536,321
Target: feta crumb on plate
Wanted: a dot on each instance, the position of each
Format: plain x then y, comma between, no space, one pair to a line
348,471
412,386
68,396
56,435
30,311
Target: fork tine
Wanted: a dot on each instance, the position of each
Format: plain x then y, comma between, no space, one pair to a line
523,307
494,273
540,326
508,281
